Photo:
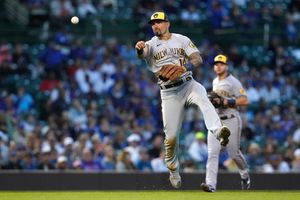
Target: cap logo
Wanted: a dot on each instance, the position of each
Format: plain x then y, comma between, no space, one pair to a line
155,15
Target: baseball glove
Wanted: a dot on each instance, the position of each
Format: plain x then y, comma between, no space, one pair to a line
215,99
171,72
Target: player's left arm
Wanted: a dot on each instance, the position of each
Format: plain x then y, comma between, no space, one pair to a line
238,101
192,52
240,96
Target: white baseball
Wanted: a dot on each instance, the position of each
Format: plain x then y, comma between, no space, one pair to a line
74,20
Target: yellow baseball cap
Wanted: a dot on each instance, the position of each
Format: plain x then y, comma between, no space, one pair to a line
199,135
158,16
220,58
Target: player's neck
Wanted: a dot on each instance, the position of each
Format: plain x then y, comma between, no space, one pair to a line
165,36
223,75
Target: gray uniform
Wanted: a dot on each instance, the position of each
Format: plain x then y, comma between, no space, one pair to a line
229,87
176,50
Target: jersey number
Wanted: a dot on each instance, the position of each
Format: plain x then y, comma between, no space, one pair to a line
182,61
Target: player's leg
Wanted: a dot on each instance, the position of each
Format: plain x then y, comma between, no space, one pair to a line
198,96
212,164
234,152
172,113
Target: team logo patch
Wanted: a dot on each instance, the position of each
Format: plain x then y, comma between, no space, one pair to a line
242,91
155,15
192,45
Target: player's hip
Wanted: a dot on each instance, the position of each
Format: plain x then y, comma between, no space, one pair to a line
175,85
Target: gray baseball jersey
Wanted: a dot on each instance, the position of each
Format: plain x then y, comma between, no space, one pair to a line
176,50
173,51
230,87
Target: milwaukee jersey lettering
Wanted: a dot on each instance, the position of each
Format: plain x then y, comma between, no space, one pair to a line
172,51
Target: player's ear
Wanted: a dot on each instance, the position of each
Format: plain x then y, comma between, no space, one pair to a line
168,24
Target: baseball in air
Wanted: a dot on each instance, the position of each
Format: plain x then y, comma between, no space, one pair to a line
74,20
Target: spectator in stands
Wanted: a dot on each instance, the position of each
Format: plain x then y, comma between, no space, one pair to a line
3,153
23,100
252,93
156,146
86,8
171,7
61,8
198,150
291,30
190,16
124,163
78,52
21,59
143,163
296,133
52,58
254,157
296,161
44,158
77,113
269,93
5,55
88,162
13,161
158,164
109,4
294,10
61,163
219,15
133,147
109,160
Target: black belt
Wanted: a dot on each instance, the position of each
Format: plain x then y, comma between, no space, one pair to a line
176,84
227,117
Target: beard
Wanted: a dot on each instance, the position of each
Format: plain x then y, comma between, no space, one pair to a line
157,33
222,73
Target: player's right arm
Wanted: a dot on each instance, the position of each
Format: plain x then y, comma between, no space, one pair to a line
141,49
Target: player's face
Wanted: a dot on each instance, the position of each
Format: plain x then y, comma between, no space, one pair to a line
160,27
220,68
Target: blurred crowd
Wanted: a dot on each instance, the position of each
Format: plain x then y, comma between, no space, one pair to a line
67,105
217,14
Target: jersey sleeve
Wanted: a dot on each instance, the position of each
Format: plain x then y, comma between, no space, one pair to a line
148,53
238,89
189,46
149,45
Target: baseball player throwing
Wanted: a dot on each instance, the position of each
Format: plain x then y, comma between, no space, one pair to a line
166,55
227,94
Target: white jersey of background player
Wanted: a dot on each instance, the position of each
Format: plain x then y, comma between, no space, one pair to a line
234,95
171,48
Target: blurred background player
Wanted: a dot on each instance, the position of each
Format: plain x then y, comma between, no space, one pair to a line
232,95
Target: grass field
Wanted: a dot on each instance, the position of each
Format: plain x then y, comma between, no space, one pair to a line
152,195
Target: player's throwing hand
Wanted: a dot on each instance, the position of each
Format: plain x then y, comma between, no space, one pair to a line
140,45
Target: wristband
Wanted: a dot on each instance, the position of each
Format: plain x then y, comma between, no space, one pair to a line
231,103
139,51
